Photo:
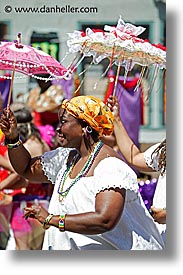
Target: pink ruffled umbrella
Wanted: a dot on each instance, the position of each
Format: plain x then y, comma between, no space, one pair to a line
15,56
30,61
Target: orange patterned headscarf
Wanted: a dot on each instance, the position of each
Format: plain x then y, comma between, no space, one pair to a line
93,111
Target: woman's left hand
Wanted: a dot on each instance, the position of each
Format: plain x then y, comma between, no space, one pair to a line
159,215
36,212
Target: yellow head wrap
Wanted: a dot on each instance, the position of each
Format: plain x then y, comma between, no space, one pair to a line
93,111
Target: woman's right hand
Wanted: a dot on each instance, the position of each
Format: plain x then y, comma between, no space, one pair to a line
113,104
8,124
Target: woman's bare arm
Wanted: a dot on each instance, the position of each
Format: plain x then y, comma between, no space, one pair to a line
27,167
13,181
20,158
108,209
5,163
130,151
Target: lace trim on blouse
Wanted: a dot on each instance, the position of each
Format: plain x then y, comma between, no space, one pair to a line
114,173
52,162
111,172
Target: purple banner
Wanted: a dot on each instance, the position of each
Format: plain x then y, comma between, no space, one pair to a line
4,90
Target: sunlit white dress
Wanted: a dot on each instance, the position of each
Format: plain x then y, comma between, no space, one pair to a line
135,229
159,199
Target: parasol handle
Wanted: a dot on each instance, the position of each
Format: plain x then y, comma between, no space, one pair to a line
116,80
11,85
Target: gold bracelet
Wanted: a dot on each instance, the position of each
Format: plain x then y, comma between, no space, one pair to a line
46,221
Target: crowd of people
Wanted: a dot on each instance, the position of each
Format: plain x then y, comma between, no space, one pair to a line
26,234
17,192
70,189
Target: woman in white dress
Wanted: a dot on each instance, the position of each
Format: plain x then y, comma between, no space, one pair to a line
95,204
153,159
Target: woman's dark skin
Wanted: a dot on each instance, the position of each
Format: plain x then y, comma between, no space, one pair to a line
108,204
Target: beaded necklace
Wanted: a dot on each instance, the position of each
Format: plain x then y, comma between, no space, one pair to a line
82,173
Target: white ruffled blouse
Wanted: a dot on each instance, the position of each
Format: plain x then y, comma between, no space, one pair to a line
159,199
135,229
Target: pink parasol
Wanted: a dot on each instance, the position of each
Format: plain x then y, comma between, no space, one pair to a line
29,61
